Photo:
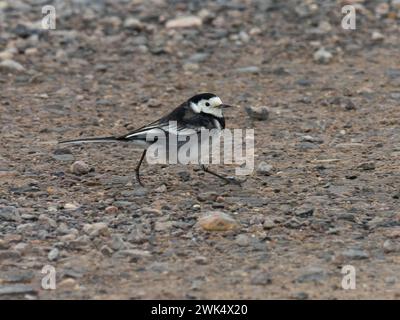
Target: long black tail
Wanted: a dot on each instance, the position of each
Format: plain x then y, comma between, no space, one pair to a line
93,140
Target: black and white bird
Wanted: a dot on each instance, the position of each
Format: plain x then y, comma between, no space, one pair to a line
202,111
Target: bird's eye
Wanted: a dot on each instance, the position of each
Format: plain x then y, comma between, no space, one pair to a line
207,104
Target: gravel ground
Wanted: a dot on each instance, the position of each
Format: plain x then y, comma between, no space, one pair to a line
325,191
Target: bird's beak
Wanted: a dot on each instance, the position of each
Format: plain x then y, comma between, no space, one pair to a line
224,106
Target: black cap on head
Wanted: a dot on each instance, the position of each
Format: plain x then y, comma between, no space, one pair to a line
201,96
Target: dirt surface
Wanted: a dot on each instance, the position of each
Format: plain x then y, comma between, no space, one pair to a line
329,196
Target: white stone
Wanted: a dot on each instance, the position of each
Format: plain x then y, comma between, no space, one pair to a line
184,22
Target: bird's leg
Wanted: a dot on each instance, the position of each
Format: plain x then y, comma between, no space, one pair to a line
227,180
138,168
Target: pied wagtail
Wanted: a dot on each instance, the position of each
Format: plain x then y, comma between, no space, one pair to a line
204,110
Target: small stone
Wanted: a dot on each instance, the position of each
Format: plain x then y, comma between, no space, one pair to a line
161,189
268,224
95,229
117,243
9,213
300,295
53,254
163,226
242,240
133,23
68,284
151,211
367,166
111,210
312,274
322,56
71,206
134,253
249,69
389,246
6,55
106,250
191,67
356,254
396,4
16,289
255,31
201,260
11,65
80,167
293,223
259,113
311,139
264,169
377,36
207,196
137,235
382,9
261,279
244,37
184,22
217,221
154,103
304,212
9,255
198,57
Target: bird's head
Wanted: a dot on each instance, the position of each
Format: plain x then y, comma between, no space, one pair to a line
207,103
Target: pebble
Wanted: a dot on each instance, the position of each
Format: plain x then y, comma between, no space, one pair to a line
323,56
111,210
95,229
137,235
264,169
67,284
311,139
377,36
71,206
242,240
304,212
161,189
62,155
133,23
117,243
207,196
163,226
356,254
198,57
366,166
6,55
80,167
268,223
151,211
9,255
217,221
312,274
260,279
257,113
389,246
9,213
134,253
184,22
53,254
16,289
11,65
200,260
106,250
249,69
154,103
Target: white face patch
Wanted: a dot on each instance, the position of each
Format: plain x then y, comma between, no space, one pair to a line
210,106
